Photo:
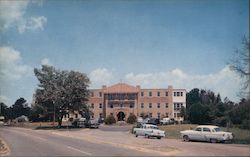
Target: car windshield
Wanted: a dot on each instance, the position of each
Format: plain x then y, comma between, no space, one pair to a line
217,129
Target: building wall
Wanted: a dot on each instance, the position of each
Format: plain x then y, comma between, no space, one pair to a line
97,99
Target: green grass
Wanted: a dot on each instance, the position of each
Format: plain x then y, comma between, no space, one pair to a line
241,136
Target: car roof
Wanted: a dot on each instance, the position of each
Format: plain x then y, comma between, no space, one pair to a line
150,125
208,126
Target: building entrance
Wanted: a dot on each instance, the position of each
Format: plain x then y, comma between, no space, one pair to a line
120,116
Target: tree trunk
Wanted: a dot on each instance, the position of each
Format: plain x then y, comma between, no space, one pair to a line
60,121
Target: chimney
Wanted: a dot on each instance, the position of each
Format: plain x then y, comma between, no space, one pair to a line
104,86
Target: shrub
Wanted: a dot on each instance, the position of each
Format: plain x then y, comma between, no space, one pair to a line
245,124
131,119
110,120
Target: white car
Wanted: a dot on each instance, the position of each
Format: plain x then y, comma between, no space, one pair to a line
166,121
149,130
208,133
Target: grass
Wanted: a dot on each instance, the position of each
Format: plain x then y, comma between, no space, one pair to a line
241,136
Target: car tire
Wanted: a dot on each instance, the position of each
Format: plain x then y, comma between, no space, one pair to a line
159,138
213,140
136,135
185,138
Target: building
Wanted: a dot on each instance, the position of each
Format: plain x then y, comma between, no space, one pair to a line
122,99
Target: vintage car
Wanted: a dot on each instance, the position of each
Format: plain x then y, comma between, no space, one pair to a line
148,131
92,123
207,133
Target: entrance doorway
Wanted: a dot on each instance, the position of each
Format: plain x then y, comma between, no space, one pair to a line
120,116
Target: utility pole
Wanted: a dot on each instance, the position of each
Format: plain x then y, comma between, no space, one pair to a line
54,115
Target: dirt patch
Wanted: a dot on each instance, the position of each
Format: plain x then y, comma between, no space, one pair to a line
4,149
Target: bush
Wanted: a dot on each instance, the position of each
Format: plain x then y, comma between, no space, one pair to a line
131,119
110,120
245,124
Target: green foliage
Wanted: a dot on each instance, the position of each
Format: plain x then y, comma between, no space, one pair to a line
131,119
199,114
110,119
60,92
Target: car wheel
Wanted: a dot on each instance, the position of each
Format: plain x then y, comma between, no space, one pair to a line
159,138
185,138
213,140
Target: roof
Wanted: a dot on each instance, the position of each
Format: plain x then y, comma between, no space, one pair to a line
121,88
208,126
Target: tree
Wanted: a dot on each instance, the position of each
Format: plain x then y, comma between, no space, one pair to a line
19,108
199,114
240,64
61,92
3,109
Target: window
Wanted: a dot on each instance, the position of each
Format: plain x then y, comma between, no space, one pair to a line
198,129
166,105
181,93
174,93
166,94
111,106
100,115
100,94
206,129
100,105
111,114
159,105
142,105
166,114
158,93
150,93
175,115
178,93
131,105
121,105
150,105
159,115
92,94
76,115
150,114
142,94
92,105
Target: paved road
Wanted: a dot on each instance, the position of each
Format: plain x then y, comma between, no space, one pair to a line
26,142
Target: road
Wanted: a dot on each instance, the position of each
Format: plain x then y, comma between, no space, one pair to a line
26,142
107,142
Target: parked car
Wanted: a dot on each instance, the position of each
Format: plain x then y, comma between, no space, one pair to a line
166,121
92,123
153,121
139,120
208,133
149,130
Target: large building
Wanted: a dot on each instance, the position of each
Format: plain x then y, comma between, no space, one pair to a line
121,100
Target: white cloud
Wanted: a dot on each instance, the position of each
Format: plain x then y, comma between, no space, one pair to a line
226,82
11,67
46,61
12,14
4,99
100,76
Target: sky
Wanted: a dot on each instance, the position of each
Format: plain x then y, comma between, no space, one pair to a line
184,43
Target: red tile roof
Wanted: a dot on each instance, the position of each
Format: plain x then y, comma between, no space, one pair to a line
121,88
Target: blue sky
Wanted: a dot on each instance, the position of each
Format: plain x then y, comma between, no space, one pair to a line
184,43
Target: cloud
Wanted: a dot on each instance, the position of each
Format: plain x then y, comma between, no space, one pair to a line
12,14
46,61
225,81
4,99
11,67
100,76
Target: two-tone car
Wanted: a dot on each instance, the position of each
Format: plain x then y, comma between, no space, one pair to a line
209,133
149,130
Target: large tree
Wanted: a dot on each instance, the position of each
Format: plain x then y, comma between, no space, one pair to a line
240,64
19,108
61,92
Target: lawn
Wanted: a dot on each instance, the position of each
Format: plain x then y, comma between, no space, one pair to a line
241,136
